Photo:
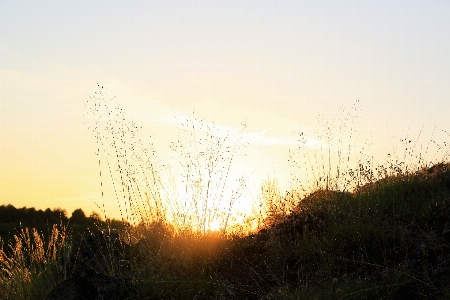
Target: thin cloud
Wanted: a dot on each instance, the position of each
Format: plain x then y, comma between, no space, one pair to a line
261,138
176,118
156,112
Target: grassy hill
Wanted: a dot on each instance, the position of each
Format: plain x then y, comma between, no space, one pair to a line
389,239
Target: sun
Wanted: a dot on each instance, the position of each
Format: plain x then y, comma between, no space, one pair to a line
214,226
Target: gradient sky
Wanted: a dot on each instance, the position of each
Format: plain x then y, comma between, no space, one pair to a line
273,64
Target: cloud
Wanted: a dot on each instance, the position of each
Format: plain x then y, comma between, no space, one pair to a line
153,111
261,138
177,118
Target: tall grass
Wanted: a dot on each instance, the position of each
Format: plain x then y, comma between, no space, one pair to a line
341,161
205,158
32,264
193,191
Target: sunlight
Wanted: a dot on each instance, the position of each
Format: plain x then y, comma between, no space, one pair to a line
214,225
201,183
206,211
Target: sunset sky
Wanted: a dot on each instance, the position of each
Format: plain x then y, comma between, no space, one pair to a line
275,65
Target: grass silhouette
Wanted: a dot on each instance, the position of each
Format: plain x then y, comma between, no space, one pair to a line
360,230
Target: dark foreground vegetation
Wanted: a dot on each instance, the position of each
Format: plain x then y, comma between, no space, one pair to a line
389,239
13,219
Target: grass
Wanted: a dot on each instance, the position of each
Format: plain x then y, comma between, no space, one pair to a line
33,265
365,232
383,241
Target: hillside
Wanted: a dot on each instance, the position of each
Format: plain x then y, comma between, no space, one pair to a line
386,240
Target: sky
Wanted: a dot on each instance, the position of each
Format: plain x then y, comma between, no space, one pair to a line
282,67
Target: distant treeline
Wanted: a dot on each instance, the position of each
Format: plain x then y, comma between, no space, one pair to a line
30,216
12,219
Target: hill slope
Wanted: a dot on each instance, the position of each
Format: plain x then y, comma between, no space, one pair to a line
387,240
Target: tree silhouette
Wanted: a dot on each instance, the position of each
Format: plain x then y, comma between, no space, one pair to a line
78,216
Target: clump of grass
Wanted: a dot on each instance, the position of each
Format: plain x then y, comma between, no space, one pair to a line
148,191
33,265
205,157
324,163
340,161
